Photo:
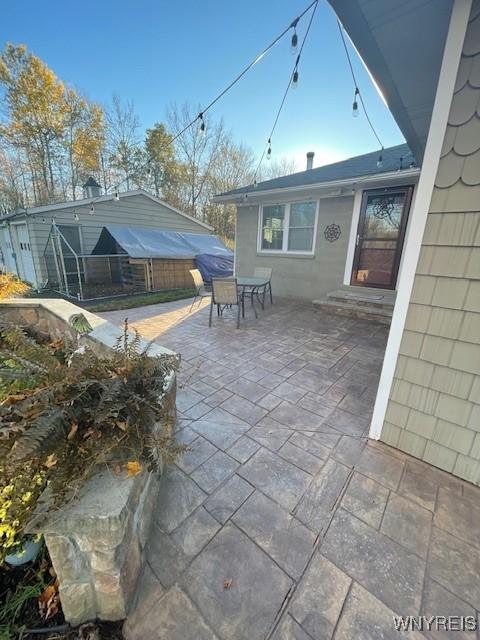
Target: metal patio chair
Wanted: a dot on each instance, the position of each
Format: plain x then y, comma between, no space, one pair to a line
225,293
266,273
200,290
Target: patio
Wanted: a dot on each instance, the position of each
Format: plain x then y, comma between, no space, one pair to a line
282,521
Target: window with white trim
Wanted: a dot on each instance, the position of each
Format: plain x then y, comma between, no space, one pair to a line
288,228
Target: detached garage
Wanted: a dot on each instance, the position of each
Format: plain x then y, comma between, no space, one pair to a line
53,246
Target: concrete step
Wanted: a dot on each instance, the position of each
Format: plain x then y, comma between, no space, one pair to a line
342,297
356,310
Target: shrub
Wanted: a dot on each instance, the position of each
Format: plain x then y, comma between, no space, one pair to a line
66,412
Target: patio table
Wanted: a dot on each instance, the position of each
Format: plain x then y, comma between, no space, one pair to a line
253,285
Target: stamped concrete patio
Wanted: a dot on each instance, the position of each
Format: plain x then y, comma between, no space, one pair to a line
282,521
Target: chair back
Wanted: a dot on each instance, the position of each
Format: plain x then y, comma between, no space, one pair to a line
263,272
224,291
197,280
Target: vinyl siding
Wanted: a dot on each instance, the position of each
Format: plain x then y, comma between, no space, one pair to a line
308,277
434,411
135,210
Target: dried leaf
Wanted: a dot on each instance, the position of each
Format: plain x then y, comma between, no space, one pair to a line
49,602
12,399
133,468
227,583
51,461
122,425
73,431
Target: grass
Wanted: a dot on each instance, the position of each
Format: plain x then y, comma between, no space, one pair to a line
139,300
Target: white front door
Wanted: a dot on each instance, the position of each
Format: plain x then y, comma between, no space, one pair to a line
7,261
27,268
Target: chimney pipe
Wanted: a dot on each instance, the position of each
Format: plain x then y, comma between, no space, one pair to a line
310,155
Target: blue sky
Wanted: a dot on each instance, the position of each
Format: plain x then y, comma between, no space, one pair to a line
154,52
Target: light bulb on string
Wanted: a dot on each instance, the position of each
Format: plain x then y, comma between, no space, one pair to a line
202,124
380,160
355,104
269,150
255,183
116,197
92,209
75,216
295,79
294,42
43,220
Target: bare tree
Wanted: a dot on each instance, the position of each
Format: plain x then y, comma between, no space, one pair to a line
197,151
276,168
123,139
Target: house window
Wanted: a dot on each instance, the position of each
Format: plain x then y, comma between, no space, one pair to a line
288,228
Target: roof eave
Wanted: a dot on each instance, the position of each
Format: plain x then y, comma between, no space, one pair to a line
365,179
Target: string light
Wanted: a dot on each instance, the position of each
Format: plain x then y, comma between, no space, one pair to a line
355,104
116,197
249,66
75,217
357,93
92,209
292,83
202,124
255,183
294,42
295,79
380,160
43,221
401,163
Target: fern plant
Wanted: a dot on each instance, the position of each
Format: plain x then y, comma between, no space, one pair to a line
71,411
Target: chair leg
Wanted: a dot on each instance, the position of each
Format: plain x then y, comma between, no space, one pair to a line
243,305
211,311
238,317
270,289
191,306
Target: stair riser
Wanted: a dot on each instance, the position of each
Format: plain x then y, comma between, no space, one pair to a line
365,303
355,313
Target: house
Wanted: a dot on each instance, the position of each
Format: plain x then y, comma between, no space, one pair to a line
425,58
31,238
324,228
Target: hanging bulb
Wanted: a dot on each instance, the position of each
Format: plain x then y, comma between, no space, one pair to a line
75,217
43,221
400,166
202,124
355,104
294,42
116,197
295,79
53,221
380,160
269,150
92,209
412,164
255,183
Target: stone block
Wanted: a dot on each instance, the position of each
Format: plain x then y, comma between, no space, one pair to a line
68,560
78,602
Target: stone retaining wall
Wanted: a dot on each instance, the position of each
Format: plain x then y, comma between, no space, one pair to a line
97,542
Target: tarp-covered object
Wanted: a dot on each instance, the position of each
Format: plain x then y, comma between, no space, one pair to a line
139,242
214,266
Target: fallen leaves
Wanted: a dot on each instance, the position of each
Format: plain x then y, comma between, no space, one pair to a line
51,461
133,468
73,431
49,601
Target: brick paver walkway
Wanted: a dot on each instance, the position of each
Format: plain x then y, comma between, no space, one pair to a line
282,521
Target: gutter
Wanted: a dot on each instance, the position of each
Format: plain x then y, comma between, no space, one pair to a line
373,178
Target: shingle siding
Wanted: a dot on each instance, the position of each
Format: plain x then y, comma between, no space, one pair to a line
434,410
